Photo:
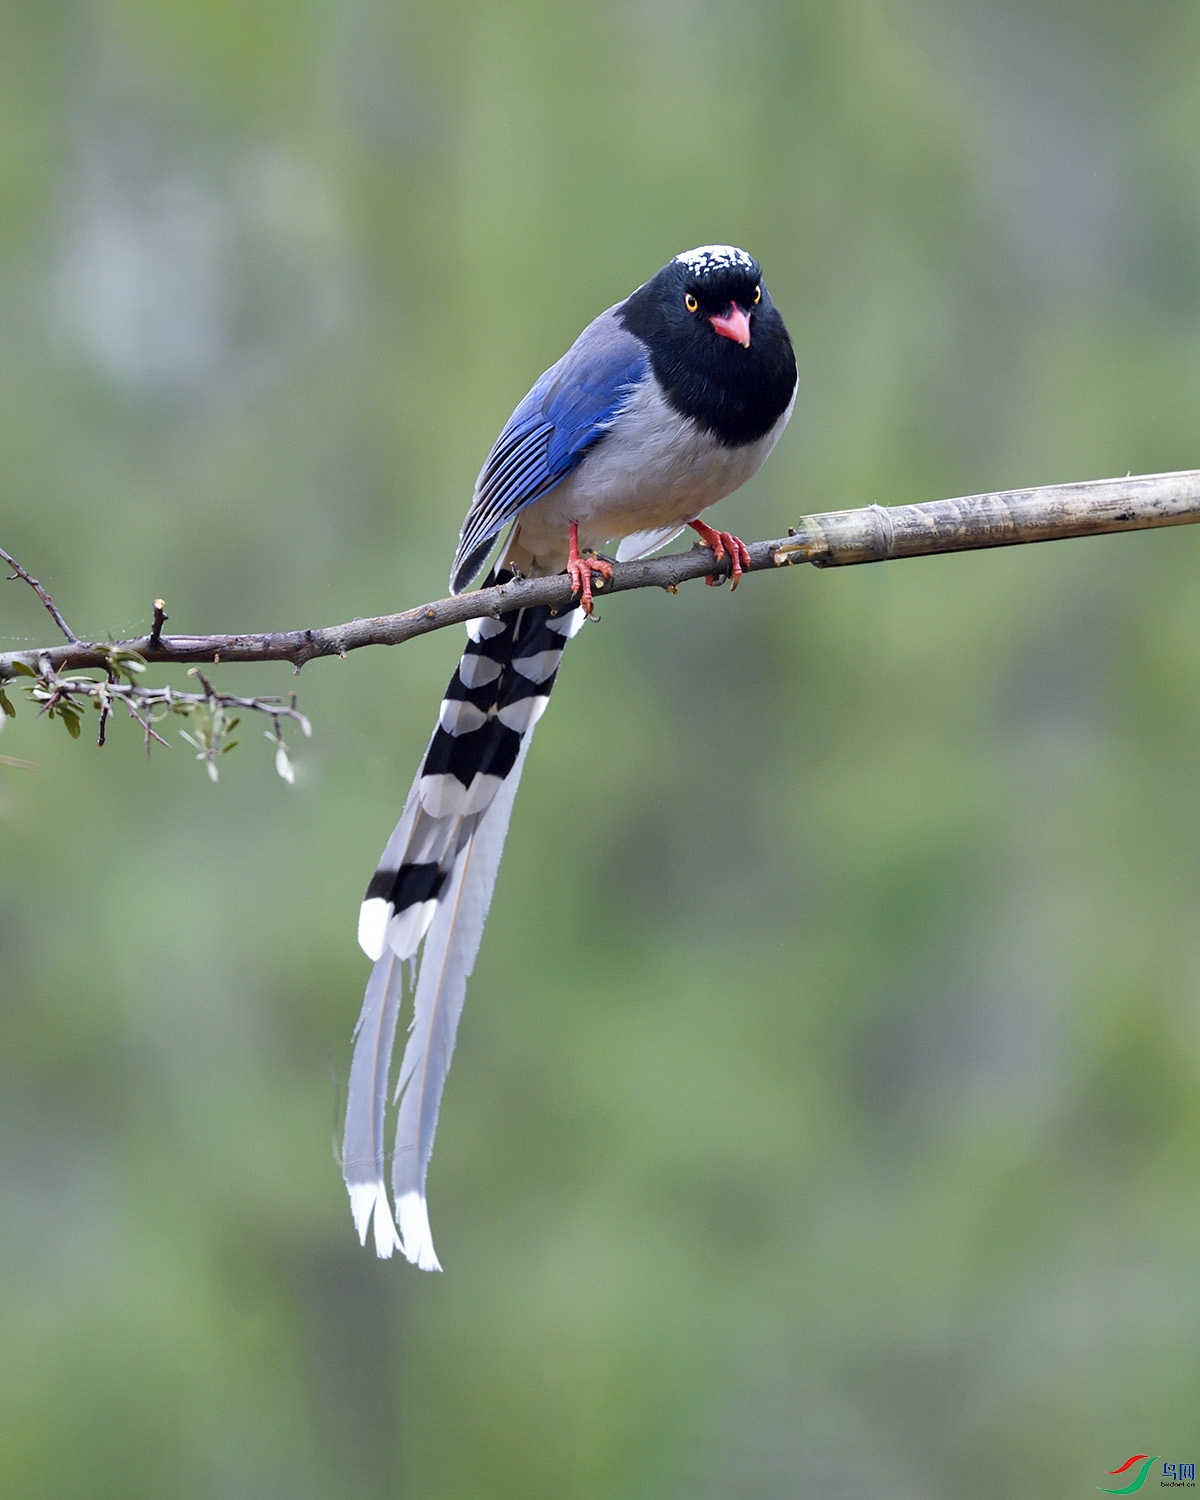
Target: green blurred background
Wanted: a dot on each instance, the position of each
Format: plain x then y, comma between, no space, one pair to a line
825,1120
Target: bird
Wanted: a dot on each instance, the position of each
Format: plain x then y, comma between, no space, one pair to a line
665,403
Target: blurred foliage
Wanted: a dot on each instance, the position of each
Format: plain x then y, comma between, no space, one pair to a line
824,1121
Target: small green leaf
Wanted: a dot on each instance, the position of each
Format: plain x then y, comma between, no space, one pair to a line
6,705
71,720
126,663
23,669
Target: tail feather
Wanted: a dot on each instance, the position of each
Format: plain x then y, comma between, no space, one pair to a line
435,882
451,946
362,1148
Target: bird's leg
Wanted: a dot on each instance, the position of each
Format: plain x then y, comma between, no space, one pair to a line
581,569
722,542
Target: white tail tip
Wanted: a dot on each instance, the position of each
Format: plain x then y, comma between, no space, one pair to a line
415,1233
373,918
371,1197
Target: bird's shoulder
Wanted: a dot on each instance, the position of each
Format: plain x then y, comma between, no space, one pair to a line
579,394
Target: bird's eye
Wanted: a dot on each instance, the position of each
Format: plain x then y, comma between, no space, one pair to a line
690,302
757,296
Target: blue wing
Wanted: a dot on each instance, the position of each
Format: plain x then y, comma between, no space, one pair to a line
569,409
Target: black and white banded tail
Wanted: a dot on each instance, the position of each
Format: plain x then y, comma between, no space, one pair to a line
434,882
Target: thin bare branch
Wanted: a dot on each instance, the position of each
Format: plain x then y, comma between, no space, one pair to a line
874,533
20,572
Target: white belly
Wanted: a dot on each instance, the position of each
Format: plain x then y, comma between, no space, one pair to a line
656,471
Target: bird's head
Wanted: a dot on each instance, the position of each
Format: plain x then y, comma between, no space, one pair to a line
716,285
716,341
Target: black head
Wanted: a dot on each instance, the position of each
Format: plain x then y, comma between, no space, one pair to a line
717,343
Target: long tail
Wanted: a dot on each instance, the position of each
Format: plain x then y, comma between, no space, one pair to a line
434,882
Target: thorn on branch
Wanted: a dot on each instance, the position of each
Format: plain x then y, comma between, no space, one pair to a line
105,704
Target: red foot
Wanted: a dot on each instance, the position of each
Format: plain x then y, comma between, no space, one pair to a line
582,568
722,542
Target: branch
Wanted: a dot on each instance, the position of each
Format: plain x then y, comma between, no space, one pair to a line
875,533
65,697
20,572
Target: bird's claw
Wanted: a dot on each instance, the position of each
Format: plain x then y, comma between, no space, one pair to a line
721,543
581,568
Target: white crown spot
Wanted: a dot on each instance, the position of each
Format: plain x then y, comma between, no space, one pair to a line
707,258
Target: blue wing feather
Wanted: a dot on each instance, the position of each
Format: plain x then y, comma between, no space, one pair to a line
570,408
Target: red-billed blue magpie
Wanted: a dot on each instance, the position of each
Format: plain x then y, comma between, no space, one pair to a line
664,404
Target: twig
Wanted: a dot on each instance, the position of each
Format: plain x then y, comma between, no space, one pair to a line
160,619
20,572
102,692
66,697
833,539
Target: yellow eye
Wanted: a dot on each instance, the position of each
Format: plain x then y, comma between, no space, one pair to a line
757,296
690,302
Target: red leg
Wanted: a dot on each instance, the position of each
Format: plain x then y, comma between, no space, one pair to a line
581,570
722,542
